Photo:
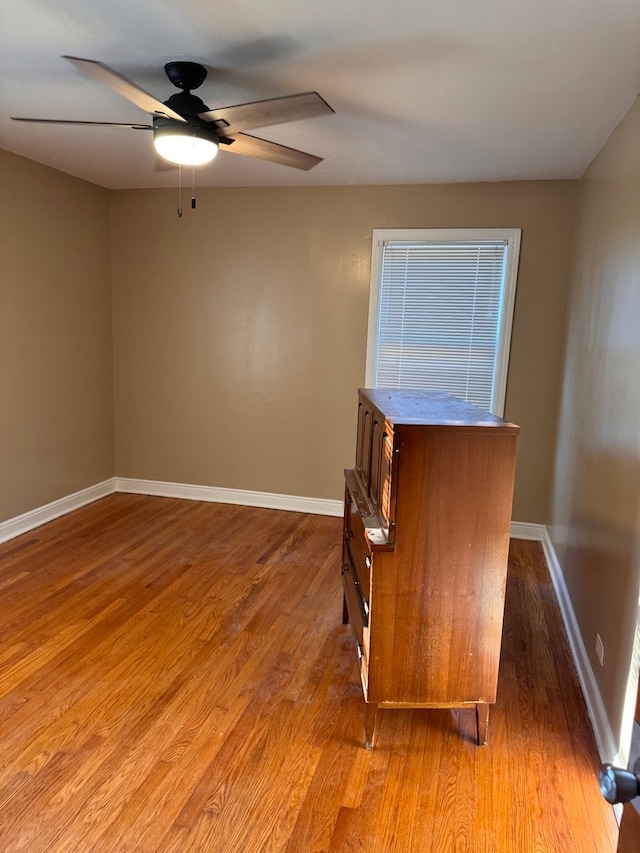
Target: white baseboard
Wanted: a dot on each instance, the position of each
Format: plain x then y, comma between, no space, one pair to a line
42,514
20,524
520,530
605,740
242,497
607,746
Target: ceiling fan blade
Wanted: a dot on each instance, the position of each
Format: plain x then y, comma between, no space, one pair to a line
252,146
85,123
268,112
123,87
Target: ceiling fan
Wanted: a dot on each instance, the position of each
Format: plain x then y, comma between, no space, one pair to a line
187,132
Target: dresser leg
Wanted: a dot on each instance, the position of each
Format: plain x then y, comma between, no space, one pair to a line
370,724
482,722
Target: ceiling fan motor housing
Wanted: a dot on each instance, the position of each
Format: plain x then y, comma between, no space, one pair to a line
188,105
186,75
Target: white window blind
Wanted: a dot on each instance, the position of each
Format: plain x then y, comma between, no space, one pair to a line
442,306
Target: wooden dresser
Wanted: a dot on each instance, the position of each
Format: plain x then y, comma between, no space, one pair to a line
426,538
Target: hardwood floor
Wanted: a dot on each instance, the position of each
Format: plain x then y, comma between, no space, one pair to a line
175,676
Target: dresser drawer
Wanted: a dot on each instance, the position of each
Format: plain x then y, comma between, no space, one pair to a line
360,563
358,619
356,603
356,544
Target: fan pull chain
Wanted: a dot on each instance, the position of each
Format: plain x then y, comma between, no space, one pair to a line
193,188
179,192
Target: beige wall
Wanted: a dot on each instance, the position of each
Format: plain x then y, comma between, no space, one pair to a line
56,389
240,329
596,505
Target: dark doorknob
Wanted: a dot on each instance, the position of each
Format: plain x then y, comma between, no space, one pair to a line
618,785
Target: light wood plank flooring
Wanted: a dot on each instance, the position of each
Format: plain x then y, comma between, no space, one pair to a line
175,676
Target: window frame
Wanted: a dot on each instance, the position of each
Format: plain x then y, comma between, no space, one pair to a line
511,236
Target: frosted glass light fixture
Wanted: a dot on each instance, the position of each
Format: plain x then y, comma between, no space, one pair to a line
183,143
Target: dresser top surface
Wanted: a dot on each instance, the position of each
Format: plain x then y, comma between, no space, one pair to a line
412,408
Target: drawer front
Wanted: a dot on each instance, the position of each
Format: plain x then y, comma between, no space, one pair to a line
356,543
365,452
358,620
360,438
382,482
358,606
361,564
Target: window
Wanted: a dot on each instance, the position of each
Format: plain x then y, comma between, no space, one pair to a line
440,311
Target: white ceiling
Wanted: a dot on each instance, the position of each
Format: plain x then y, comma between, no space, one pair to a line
424,91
